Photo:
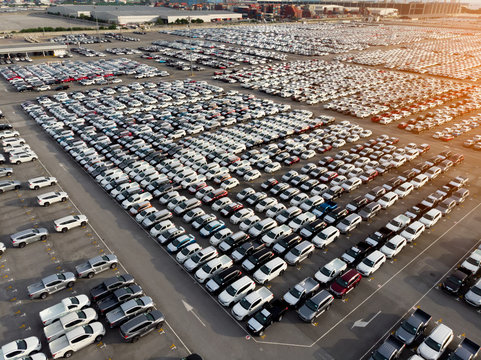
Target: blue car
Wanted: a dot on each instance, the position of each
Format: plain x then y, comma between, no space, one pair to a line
212,227
324,208
179,242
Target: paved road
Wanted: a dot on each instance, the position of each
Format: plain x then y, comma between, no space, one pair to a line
395,289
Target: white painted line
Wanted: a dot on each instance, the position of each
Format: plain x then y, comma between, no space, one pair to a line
383,285
120,263
419,300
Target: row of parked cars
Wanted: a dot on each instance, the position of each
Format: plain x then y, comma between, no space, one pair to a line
29,77
311,81
451,58
313,39
411,333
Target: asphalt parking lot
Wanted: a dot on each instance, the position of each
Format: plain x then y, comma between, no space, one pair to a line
196,320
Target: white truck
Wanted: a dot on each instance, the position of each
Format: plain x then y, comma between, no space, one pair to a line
76,340
69,322
64,307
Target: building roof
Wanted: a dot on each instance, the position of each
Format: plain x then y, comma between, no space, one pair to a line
138,10
24,48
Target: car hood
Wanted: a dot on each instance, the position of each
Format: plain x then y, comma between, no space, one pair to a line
472,297
427,353
404,336
305,313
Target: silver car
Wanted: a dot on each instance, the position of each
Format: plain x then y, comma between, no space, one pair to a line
8,185
50,285
28,236
5,171
96,265
299,253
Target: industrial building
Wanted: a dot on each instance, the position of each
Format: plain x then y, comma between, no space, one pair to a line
140,14
47,49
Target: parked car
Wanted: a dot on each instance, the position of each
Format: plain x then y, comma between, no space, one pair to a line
141,325
50,285
24,237
315,306
69,222
96,265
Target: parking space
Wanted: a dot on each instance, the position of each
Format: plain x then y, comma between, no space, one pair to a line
183,135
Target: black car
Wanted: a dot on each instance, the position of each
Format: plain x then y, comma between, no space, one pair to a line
269,183
109,285
62,87
257,259
336,215
270,313
141,325
164,189
6,127
417,211
311,229
370,210
222,279
286,243
456,281
242,251
356,253
119,296
380,237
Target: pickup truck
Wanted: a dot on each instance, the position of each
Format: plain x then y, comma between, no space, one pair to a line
108,285
390,349
413,327
69,322
50,285
96,265
270,313
467,350
76,340
67,305
119,296
301,291
128,310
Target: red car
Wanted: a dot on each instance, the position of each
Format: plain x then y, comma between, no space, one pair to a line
447,137
368,176
392,140
292,160
345,283
324,148
402,125
231,209
356,148
213,196
328,176
456,158
269,183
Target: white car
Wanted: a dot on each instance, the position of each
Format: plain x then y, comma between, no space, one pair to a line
252,302
241,215
301,220
388,199
76,340
221,203
330,271
3,248
220,236
352,184
404,189
270,270
413,231
69,222
326,236
236,291
394,246
229,184
187,251
40,182
265,204
213,266
20,348
276,234
69,322
349,223
473,262
433,172
398,223
252,175
371,263
436,343
431,218
419,181
23,157
52,198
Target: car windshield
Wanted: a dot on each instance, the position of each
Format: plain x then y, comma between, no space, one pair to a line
261,319
295,292
410,230
476,290
368,262
295,251
409,328
391,246
396,223
377,356
325,271
245,304
472,261
265,269
433,344
231,291
311,305
341,282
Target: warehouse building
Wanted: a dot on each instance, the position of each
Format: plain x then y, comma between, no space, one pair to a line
141,14
30,50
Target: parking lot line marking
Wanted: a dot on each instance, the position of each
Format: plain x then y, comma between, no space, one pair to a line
414,259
